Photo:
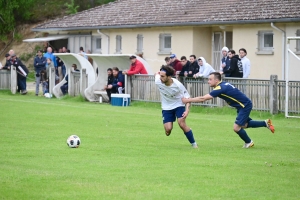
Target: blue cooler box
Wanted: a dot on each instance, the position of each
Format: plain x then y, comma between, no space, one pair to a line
120,99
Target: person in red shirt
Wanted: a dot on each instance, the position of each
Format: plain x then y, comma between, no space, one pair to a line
136,67
175,63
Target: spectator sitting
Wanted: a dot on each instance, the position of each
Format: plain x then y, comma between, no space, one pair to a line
118,83
110,79
205,68
65,86
136,67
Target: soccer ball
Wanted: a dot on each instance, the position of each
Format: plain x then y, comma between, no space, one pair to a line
73,141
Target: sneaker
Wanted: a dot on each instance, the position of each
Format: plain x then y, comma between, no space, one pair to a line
270,125
248,145
194,145
24,92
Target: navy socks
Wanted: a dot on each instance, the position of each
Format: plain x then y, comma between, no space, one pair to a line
189,135
243,135
256,124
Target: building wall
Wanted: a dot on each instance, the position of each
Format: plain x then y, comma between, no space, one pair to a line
294,63
202,43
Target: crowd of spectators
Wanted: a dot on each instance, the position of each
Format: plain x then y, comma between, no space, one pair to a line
231,65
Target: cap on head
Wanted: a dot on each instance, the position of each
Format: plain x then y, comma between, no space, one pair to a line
132,57
173,55
13,55
7,55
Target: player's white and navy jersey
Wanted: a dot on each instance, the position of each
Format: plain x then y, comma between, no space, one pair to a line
233,96
171,95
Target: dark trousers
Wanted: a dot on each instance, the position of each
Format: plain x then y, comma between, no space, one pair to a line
108,91
21,80
64,89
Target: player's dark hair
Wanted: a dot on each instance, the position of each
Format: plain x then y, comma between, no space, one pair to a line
168,69
109,69
193,56
217,75
232,51
183,58
244,50
115,68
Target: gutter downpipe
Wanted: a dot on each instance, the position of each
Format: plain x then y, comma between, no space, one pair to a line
283,49
108,39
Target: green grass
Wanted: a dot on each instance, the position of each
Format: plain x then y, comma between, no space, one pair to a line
125,155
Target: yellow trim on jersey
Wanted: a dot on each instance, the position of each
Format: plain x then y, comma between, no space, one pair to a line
233,100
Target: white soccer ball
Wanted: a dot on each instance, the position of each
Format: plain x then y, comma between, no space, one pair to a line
73,141
48,95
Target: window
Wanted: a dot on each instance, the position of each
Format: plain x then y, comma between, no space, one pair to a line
139,43
298,42
98,43
265,42
118,44
165,43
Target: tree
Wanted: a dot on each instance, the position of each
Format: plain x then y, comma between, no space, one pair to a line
71,8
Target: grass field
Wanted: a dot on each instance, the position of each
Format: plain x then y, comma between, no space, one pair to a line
125,155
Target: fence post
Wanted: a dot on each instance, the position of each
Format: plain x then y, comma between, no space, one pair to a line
51,79
83,82
273,94
13,79
71,84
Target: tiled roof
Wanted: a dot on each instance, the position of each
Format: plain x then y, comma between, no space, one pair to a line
138,13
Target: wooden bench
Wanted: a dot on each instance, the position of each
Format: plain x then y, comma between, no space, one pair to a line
103,94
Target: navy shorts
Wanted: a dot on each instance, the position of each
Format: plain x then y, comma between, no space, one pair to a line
243,115
170,115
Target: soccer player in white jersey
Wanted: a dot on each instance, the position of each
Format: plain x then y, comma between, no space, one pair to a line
171,92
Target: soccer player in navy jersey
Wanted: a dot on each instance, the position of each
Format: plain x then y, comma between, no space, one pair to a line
171,92
236,99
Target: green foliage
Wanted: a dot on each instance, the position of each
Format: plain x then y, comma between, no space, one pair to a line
71,8
18,37
125,155
27,55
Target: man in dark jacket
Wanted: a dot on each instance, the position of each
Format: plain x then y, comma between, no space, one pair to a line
185,66
7,63
236,66
118,83
22,73
110,80
39,65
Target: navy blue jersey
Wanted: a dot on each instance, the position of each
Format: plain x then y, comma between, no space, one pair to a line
233,96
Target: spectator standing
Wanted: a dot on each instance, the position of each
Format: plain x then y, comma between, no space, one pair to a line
236,66
175,63
185,66
50,55
205,68
225,61
22,73
7,63
246,62
110,79
39,65
194,67
167,60
136,67
82,53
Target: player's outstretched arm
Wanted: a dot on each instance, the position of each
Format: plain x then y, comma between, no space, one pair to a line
197,99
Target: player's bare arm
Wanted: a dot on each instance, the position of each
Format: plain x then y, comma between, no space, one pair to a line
187,110
197,99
